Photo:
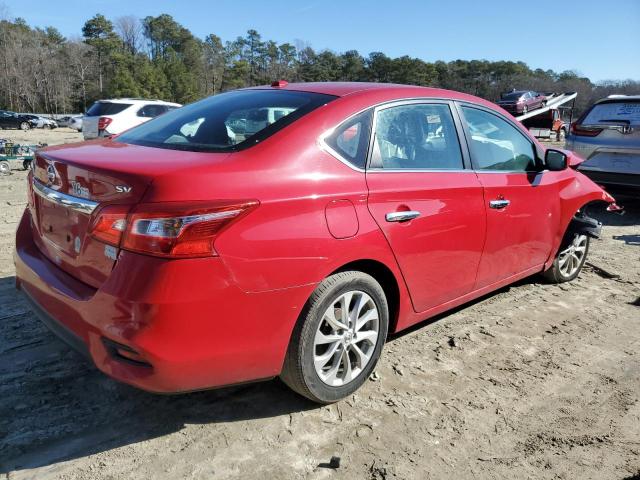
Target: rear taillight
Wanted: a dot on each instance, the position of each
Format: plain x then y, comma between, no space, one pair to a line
180,230
109,224
104,122
585,131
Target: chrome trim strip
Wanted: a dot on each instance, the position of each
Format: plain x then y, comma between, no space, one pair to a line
419,170
74,203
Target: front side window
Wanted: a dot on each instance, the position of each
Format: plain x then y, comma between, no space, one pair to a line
226,122
417,136
496,144
351,139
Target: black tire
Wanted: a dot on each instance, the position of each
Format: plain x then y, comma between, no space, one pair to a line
554,274
25,126
298,371
26,164
5,168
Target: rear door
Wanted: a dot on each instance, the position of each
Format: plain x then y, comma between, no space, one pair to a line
521,201
429,206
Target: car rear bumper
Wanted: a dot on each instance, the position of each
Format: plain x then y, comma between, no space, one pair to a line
614,182
187,323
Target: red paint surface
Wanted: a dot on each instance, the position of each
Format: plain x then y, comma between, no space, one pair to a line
206,322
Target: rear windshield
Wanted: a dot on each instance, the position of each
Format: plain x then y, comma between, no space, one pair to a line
512,96
226,122
106,108
627,113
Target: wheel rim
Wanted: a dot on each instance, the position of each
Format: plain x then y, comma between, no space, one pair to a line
346,338
570,259
24,126
4,168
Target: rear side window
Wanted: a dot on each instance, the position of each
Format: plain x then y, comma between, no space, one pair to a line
351,139
627,113
496,144
106,108
421,137
152,111
226,122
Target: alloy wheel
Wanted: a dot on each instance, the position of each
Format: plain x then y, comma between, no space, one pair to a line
346,338
570,259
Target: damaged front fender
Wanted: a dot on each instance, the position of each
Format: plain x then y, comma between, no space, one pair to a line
576,191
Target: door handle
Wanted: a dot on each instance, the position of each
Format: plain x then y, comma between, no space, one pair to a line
401,216
499,204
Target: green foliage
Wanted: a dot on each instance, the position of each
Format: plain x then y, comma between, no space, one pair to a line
156,57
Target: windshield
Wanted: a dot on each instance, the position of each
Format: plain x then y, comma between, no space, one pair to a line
106,108
226,122
512,96
614,112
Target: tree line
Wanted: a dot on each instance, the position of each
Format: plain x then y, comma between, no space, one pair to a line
156,57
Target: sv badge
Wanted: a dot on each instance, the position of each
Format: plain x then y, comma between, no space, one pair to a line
123,188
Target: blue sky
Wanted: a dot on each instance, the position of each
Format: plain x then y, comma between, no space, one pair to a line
600,39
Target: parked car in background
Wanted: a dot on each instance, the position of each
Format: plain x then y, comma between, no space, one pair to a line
76,123
607,136
110,117
64,121
42,122
521,101
191,259
10,119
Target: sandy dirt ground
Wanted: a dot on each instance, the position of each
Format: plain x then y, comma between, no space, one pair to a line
535,381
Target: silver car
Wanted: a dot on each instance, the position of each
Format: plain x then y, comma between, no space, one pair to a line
607,135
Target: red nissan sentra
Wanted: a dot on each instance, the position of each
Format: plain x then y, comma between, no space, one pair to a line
286,230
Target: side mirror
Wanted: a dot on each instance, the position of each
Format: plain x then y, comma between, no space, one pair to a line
555,160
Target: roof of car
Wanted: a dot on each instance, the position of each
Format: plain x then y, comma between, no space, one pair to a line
138,100
342,89
615,97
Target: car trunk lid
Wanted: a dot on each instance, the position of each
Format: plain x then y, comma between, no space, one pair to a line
66,196
70,185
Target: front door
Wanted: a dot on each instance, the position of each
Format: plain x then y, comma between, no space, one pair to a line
429,206
521,199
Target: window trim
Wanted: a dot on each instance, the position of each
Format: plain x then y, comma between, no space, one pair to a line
467,134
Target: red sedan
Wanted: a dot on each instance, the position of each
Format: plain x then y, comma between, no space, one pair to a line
286,230
523,101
